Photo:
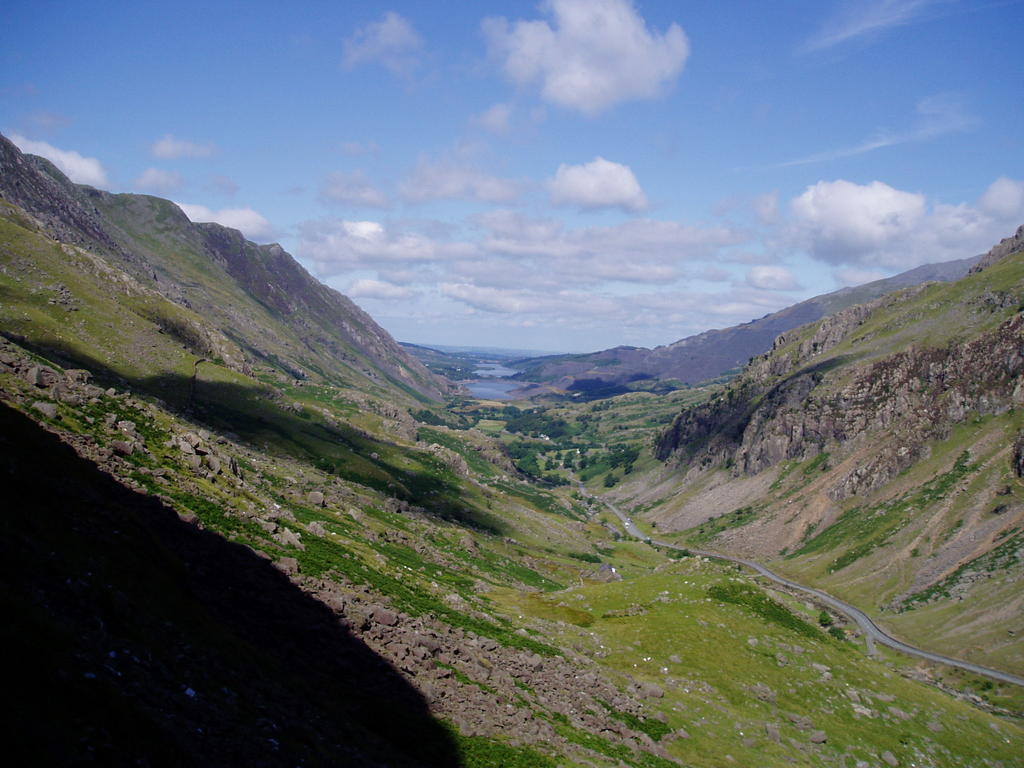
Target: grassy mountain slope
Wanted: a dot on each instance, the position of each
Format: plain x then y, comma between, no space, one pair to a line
873,452
274,315
200,539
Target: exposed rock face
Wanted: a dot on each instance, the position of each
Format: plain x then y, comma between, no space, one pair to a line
787,405
1018,456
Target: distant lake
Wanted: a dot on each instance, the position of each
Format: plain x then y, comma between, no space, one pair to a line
492,389
492,384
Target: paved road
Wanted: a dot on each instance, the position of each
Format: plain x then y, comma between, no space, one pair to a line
871,631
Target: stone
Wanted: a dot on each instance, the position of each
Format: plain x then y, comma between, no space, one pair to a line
818,737
890,759
651,691
49,410
122,447
128,427
381,615
213,463
316,498
771,730
287,565
316,528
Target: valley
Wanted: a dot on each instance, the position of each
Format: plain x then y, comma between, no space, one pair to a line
249,526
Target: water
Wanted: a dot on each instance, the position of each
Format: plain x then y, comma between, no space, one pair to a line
492,389
493,384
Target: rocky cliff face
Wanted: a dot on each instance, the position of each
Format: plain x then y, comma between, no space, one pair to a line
823,387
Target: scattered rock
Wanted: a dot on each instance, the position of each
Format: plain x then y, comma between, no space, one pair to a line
818,737
316,528
316,498
288,565
771,730
890,759
49,410
122,447
382,615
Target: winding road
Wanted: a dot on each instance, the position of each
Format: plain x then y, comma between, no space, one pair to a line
871,631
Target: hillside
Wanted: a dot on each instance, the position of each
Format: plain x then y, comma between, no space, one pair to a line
872,454
249,307
711,354
240,534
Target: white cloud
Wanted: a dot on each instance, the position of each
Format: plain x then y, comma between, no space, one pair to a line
456,180
879,227
497,119
337,245
171,148
352,189
772,278
843,221
391,42
866,18
597,184
80,169
1004,199
591,55
377,289
249,222
158,180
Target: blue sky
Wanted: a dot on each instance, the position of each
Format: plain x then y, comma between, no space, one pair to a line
563,175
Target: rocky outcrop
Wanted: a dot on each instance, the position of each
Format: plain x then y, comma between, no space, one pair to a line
1003,248
798,400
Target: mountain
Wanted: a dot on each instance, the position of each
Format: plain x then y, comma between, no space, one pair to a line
253,307
234,532
713,353
873,453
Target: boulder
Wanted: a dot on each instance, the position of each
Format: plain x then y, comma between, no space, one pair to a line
287,565
818,737
381,615
890,759
316,498
122,447
316,528
49,410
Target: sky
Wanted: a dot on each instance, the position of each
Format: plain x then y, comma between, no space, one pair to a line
565,175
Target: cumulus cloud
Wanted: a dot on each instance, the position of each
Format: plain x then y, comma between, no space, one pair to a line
772,278
170,148
377,289
1004,199
249,222
843,221
597,184
876,226
589,55
80,169
352,189
863,19
456,179
337,245
392,42
158,180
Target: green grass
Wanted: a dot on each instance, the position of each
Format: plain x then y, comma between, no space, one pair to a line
758,603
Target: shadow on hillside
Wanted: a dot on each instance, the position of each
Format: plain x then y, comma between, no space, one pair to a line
133,638
252,413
